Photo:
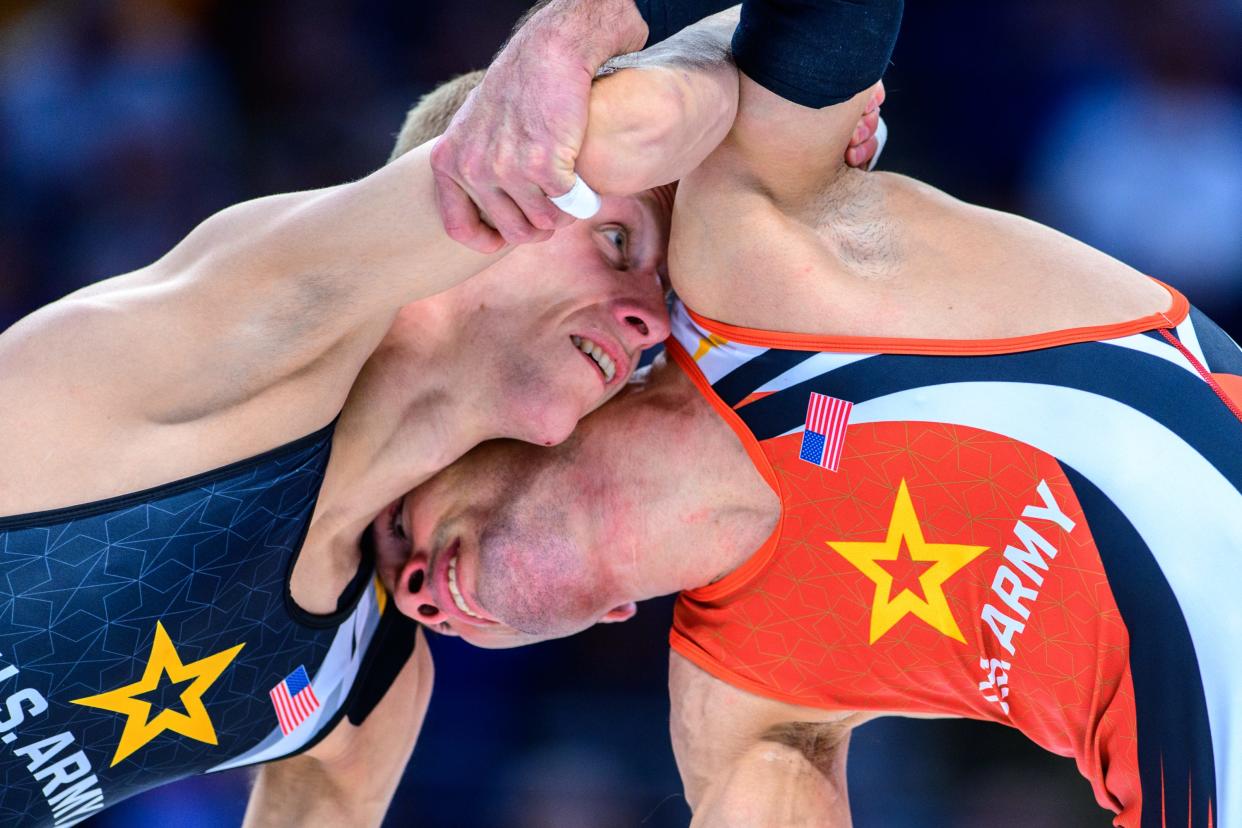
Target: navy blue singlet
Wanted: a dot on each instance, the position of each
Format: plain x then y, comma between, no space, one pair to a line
153,636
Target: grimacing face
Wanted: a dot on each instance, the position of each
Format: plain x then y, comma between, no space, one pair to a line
500,549
561,325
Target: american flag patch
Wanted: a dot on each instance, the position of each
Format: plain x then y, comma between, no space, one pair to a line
294,700
824,437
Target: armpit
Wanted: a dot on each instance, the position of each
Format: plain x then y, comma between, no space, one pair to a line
823,744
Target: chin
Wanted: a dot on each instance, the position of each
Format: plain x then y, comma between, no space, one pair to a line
487,642
553,424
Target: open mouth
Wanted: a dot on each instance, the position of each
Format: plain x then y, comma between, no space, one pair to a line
607,367
455,589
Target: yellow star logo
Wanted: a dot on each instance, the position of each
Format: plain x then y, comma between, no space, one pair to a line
140,727
706,343
938,562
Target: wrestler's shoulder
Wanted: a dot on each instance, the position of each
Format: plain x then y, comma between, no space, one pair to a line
1052,279
130,384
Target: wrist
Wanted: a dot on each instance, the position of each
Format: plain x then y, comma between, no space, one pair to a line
592,31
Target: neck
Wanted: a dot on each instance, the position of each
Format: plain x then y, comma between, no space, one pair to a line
702,508
408,416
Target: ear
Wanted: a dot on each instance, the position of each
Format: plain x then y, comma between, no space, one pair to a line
617,614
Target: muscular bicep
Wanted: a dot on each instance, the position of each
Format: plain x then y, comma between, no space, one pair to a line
746,760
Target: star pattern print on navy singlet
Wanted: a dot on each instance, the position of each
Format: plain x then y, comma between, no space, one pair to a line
102,608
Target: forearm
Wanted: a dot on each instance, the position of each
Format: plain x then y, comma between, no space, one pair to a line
349,778
299,791
656,114
361,250
666,18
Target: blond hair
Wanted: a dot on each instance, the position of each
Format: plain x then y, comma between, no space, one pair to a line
430,117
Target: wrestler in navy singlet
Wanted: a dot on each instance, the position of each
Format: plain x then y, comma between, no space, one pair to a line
153,636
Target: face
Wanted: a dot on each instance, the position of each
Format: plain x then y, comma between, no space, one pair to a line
501,548
560,326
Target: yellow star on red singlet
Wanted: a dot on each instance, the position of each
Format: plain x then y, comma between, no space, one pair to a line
193,724
905,534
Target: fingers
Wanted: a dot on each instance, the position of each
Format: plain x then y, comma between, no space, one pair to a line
864,142
860,156
470,186
866,128
509,220
461,218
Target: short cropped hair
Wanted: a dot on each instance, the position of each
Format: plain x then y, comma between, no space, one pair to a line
433,113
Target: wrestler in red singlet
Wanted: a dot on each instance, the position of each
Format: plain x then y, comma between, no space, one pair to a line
963,534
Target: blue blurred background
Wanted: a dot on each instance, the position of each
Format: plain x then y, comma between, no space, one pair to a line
125,122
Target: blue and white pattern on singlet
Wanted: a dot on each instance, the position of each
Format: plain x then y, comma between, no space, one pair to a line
93,598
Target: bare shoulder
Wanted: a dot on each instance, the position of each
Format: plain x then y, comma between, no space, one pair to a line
882,255
154,376
1065,281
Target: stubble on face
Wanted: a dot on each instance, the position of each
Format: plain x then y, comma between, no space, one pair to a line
535,573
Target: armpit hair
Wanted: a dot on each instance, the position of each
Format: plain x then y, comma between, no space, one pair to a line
852,215
819,742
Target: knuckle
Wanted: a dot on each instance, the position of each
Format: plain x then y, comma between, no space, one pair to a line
518,233
442,154
546,215
538,160
505,169
470,168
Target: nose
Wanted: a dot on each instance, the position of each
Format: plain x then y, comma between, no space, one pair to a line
642,323
414,594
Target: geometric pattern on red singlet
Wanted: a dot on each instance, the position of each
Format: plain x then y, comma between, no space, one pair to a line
799,630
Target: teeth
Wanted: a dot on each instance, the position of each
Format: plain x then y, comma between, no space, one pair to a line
598,354
456,593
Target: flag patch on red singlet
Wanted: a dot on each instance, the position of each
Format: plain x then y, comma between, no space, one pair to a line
294,700
824,437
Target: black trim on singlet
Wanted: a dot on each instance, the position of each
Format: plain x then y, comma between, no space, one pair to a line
382,663
1219,351
391,648
1176,762
736,385
1184,403
52,517
347,601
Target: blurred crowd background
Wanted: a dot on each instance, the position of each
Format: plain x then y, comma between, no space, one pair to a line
123,123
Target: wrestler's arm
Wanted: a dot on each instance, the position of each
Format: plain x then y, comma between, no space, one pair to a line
349,778
772,175
748,761
655,115
284,296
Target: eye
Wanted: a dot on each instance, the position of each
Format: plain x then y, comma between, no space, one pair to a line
618,238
